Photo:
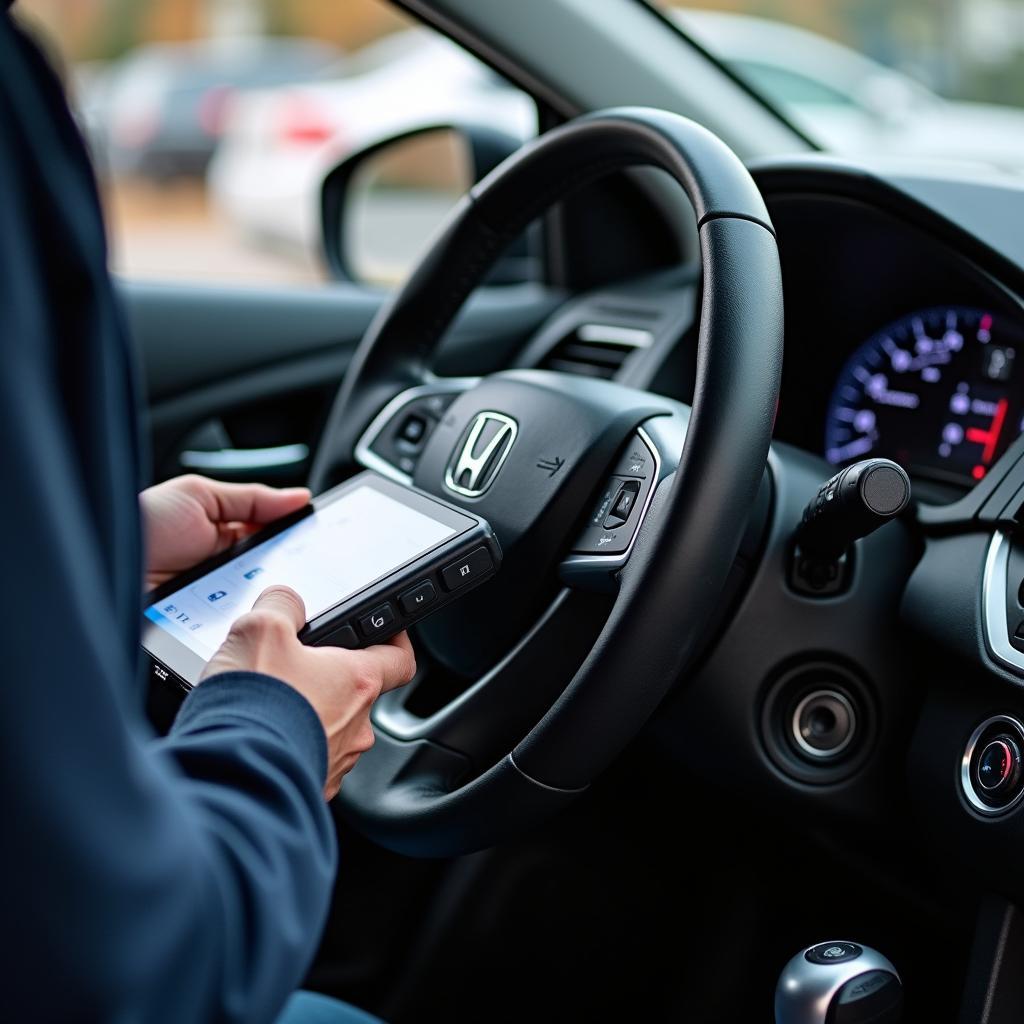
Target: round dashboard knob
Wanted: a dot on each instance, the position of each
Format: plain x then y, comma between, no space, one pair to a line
991,773
823,724
998,765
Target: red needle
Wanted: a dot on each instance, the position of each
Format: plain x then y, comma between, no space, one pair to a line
990,438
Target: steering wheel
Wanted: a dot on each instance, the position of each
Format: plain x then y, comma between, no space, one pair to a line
600,603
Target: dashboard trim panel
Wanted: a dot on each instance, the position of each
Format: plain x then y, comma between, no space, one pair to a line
993,603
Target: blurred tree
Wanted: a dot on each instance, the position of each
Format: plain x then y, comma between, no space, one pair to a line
105,29
118,28
349,25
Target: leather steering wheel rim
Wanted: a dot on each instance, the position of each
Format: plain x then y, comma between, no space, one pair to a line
689,538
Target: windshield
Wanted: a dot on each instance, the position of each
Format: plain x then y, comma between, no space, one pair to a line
919,79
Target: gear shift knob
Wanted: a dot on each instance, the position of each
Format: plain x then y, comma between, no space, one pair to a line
839,983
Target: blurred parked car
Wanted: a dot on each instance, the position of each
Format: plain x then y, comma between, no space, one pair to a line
850,104
159,111
279,143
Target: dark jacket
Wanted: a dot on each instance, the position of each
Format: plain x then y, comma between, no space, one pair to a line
183,879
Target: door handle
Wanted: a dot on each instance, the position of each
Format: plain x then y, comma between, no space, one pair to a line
244,462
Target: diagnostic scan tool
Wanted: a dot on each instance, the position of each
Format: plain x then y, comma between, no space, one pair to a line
369,558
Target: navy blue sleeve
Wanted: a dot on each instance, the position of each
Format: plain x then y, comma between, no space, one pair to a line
183,879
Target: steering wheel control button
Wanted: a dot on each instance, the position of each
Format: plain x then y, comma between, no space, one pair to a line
637,460
467,569
396,439
612,523
377,621
603,509
599,541
418,597
413,430
990,774
824,724
833,952
625,499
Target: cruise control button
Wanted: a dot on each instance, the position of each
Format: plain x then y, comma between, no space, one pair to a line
377,621
417,598
466,569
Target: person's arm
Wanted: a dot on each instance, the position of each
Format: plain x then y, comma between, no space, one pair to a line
182,879
179,880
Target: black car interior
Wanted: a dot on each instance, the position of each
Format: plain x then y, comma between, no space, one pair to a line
658,753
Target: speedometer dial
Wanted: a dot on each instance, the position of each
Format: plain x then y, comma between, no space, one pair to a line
937,391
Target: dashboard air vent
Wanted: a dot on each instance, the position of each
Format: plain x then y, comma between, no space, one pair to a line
596,350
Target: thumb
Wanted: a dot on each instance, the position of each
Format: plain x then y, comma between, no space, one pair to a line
283,602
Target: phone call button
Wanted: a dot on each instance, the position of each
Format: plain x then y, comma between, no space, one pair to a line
377,621
418,597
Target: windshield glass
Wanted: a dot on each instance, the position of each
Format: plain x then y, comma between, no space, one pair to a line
921,79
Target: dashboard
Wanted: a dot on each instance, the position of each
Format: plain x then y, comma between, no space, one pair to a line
896,345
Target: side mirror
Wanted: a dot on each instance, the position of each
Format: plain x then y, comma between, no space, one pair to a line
381,205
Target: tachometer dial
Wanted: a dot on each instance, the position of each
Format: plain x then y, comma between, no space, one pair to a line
936,391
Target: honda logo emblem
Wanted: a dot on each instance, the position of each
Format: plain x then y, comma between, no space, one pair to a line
480,453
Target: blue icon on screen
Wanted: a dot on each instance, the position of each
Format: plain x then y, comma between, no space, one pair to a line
171,609
252,573
217,595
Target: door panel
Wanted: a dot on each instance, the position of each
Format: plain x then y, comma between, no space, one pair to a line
237,369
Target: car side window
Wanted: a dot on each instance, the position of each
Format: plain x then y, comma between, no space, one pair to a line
212,126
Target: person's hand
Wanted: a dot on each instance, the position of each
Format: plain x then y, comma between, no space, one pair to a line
340,684
190,518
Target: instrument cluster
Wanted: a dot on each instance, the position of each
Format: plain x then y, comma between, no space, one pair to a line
937,391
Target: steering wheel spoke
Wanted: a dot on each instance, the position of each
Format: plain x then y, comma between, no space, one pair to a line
494,712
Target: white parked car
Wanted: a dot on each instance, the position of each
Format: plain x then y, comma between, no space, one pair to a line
279,143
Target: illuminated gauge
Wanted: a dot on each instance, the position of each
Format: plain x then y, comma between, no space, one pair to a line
937,392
